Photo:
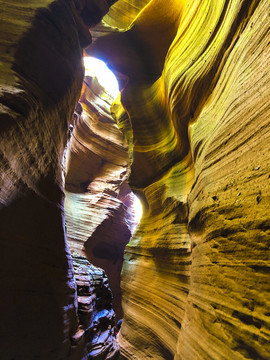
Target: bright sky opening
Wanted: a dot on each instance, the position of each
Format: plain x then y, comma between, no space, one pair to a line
138,210
106,78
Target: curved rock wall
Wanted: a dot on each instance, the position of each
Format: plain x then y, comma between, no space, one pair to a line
196,115
98,223
195,282
41,76
228,217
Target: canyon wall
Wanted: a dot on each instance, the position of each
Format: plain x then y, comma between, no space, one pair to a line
41,77
99,224
195,277
195,114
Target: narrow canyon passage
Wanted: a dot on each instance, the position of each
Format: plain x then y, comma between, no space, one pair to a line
189,134
101,211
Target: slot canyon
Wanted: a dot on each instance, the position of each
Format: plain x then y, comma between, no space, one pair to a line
184,128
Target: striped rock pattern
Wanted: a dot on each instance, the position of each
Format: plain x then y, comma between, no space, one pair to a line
41,74
196,112
98,222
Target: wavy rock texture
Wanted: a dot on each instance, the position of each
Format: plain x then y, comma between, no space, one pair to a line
195,277
99,224
196,116
122,14
41,77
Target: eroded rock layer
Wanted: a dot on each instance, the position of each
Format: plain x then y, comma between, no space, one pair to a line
195,112
98,222
41,77
195,278
96,332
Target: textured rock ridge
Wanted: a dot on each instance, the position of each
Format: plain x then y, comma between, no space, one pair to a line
229,227
96,318
41,77
195,278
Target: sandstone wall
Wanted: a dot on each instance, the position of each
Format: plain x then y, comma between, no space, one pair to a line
98,223
196,116
195,277
41,77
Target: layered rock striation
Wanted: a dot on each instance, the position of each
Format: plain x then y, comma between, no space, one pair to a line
195,278
99,223
41,77
195,114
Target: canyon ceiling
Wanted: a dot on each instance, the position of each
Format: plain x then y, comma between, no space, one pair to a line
189,134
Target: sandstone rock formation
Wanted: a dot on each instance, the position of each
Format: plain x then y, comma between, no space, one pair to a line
195,114
98,222
41,76
96,331
195,278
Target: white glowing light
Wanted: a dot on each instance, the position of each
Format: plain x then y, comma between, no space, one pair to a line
138,210
106,78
